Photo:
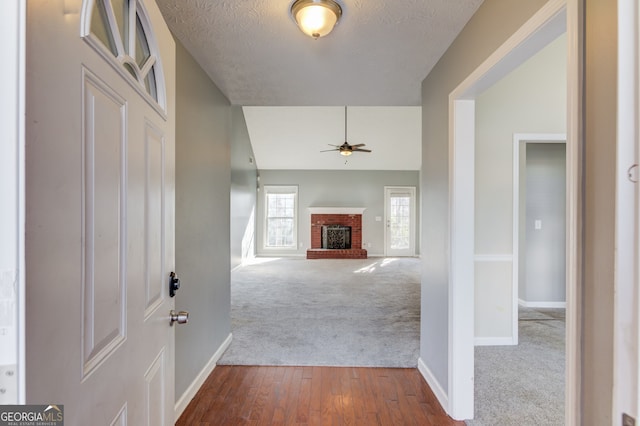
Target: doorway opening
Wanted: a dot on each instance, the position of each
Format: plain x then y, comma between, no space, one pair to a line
553,19
400,219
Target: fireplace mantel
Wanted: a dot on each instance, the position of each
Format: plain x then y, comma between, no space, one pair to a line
336,210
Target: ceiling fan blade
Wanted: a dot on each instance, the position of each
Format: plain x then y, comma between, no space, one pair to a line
362,150
357,145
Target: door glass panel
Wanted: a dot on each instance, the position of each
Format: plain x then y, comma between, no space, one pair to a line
129,68
142,47
121,12
150,83
100,26
400,222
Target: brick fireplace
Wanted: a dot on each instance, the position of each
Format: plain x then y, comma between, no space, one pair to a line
335,218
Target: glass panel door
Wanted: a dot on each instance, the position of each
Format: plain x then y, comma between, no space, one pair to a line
400,221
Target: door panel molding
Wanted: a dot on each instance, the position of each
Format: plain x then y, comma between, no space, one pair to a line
104,195
155,288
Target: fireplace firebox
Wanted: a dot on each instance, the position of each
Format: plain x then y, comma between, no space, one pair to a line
336,237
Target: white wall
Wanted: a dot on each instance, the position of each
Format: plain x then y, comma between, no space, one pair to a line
337,188
531,99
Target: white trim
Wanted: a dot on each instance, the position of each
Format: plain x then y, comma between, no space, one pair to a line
370,255
336,210
534,304
626,371
546,25
493,258
573,326
495,341
12,187
433,383
461,268
21,141
184,400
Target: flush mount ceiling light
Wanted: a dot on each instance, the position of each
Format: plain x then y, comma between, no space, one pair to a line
316,18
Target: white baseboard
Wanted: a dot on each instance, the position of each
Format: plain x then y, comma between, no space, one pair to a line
494,341
191,391
433,383
542,304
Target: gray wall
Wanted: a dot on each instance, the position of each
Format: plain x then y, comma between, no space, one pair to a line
243,191
492,24
544,259
203,132
335,188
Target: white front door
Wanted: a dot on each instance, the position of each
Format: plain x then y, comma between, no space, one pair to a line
400,216
100,211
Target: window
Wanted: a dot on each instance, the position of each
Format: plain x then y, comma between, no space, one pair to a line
120,30
281,216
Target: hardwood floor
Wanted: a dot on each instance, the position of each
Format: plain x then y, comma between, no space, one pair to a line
257,395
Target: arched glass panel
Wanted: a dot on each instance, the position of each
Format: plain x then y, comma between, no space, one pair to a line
123,28
142,47
100,26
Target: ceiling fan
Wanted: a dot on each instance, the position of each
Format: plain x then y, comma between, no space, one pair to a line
346,149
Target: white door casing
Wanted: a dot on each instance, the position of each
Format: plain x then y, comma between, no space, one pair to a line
12,33
99,225
399,219
626,333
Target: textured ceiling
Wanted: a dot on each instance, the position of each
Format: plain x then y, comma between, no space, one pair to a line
378,54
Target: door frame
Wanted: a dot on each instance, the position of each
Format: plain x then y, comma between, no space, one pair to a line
555,17
626,331
412,193
12,182
518,140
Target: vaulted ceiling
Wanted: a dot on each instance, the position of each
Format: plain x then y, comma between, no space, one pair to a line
377,56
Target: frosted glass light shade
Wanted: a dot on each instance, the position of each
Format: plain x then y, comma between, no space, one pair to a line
316,18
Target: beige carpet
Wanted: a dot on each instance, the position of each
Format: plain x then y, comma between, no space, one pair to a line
326,312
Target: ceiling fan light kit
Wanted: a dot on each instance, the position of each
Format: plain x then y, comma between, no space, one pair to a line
316,18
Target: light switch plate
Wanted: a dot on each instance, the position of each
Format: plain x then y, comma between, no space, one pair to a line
537,224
